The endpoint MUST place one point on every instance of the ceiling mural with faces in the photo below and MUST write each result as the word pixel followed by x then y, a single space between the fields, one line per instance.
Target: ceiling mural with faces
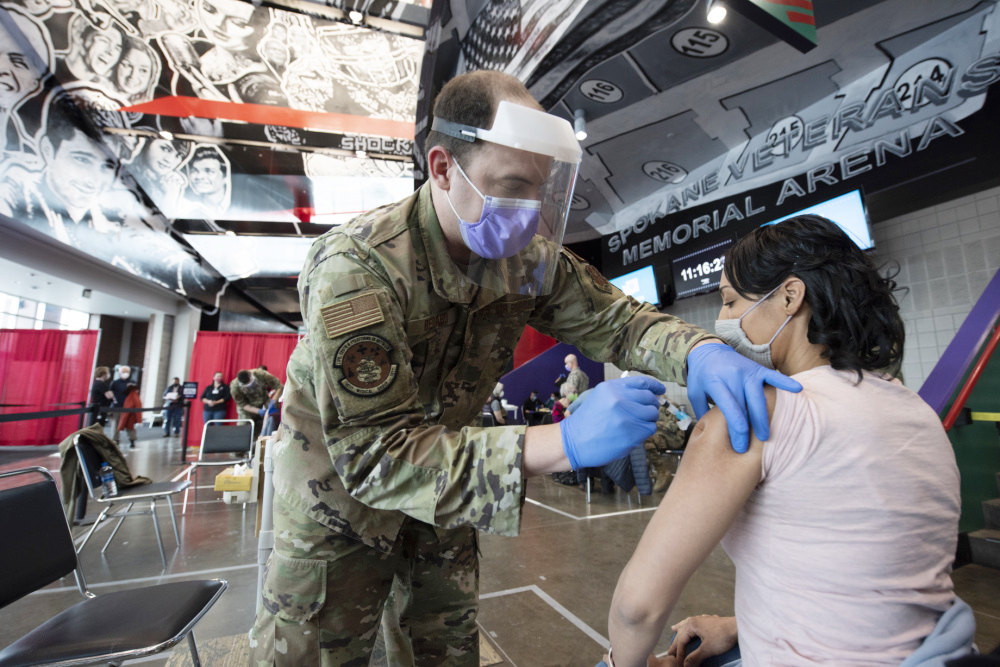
pixel 172 93
pixel 225 119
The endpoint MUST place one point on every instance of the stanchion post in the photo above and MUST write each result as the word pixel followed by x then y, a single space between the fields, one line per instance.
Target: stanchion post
pixel 83 404
pixel 184 438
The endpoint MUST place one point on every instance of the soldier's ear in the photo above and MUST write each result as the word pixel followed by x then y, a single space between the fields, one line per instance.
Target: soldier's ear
pixel 438 164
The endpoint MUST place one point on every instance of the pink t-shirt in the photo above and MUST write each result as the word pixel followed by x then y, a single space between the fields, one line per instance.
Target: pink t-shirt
pixel 843 553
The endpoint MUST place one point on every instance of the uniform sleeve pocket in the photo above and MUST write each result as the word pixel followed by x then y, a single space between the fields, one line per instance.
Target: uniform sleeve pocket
pixel 294 588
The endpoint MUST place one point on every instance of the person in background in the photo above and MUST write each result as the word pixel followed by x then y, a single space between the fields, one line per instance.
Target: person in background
pixel 272 418
pixel 128 420
pixel 174 405
pixel 559 409
pixel 120 385
pixel 496 406
pixel 214 399
pixel 252 390
pixel 100 396
pixel 550 404
pixel 576 380
pixel 843 525
pixel 530 409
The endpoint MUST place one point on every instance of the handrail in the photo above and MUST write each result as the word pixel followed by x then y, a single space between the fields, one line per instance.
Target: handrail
pixel 973 378
pixel 940 386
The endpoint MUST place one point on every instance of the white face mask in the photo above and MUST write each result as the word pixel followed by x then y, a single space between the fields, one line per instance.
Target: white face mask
pixel 732 333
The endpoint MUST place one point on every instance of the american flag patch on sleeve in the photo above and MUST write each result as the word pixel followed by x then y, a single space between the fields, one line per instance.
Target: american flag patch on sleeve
pixel 361 311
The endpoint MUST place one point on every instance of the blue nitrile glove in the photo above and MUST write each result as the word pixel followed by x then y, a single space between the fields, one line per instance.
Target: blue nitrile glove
pixel 262 412
pixel 616 416
pixel 735 384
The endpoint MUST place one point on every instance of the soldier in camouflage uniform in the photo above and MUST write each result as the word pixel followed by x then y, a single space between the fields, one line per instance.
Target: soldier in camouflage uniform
pixel 251 389
pixel 380 480
pixel 577 381
pixel 668 437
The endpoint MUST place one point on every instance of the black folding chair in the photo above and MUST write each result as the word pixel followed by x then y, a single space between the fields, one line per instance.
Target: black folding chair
pixel 90 466
pixel 222 436
pixel 37 550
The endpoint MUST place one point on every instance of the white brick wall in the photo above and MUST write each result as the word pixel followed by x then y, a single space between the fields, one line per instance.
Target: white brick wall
pixel 946 254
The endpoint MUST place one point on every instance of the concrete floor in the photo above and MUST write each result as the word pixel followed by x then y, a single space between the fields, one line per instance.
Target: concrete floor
pixel 544 595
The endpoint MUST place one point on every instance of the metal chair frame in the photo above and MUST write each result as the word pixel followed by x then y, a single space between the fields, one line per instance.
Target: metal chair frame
pixel 59 558
pixel 150 492
pixel 201 462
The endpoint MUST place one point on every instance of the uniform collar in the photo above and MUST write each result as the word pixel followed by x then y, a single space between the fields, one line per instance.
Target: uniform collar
pixel 448 279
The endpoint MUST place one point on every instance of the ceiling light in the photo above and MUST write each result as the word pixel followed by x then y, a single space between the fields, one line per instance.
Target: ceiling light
pixel 355 17
pixel 166 136
pixel 716 11
pixel 361 154
pixel 579 125
pixel 230 232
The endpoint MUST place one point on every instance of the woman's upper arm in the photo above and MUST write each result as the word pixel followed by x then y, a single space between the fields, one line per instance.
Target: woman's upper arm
pixel 711 486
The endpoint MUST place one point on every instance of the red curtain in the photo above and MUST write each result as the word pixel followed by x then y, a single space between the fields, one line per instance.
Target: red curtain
pixel 228 353
pixel 531 345
pixel 39 369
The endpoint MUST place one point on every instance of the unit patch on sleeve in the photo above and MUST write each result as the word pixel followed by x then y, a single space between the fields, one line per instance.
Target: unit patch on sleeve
pixel 600 282
pixel 361 311
pixel 366 364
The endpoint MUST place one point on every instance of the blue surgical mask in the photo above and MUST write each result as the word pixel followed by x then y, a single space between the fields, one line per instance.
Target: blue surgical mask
pixel 506 225
pixel 731 331
pixel 568 369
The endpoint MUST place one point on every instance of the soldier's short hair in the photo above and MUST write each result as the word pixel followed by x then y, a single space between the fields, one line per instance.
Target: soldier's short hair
pixel 243 377
pixel 472 99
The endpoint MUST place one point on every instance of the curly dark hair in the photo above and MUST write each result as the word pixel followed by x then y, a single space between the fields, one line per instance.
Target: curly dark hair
pixel 854 310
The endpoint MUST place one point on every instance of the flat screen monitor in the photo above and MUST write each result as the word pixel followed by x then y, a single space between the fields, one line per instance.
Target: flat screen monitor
pixel 699 271
pixel 639 284
pixel 848 211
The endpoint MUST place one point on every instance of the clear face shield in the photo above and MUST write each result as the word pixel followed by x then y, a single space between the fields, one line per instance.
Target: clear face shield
pixel 515 243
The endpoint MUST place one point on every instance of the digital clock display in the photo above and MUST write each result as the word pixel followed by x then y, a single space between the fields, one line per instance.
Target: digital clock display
pixel 700 271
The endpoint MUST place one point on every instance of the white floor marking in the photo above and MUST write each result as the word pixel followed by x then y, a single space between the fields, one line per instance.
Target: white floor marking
pixel 590 516
pixel 496 645
pixel 563 611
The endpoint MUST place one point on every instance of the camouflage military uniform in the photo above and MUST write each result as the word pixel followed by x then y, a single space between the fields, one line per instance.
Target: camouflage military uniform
pixel 576 379
pixel 256 396
pixel 668 438
pixel 378 473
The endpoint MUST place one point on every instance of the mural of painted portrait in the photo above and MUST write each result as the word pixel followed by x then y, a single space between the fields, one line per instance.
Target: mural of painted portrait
pixel 273 49
pixel 229 24
pixel 21 74
pixel 177 16
pixel 93 54
pixel 64 199
pixel 213 64
pixel 313 84
pixel 380 72
pixel 40 8
pixel 137 71
pixel 156 170
pixel 209 187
